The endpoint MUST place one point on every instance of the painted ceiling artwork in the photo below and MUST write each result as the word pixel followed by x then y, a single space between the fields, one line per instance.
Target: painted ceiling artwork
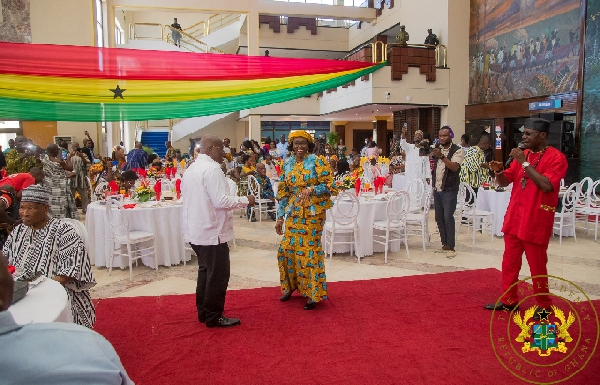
pixel 73 83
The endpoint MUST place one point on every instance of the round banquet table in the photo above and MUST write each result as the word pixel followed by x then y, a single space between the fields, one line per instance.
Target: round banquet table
pixel 399 182
pixel 497 203
pixel 369 212
pixel 45 302
pixel 164 222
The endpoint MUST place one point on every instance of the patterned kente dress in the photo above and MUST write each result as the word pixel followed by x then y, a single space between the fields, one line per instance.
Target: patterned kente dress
pixel 300 256
pixel 62 202
pixel 55 249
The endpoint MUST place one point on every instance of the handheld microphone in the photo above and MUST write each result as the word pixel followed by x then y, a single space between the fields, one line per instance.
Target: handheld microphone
pixel 510 158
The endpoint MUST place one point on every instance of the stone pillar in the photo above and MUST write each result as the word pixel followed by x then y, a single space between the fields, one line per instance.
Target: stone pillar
pixel 254 127
pixel 381 134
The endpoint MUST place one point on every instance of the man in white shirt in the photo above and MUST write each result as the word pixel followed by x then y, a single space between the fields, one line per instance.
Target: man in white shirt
pixel 282 147
pixel 416 166
pixel 208 227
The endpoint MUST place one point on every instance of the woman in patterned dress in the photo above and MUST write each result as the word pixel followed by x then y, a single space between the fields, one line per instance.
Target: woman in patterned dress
pixel 304 194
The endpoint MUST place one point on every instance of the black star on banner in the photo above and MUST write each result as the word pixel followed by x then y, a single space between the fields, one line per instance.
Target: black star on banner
pixel 544 314
pixel 118 92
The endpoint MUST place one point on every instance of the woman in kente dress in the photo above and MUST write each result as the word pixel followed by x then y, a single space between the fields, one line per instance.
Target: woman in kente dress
pixel 304 195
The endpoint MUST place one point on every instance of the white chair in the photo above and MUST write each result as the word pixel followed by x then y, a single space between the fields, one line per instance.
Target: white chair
pixel 417 224
pixel 243 183
pixel 588 205
pixel 262 203
pixel 415 190
pixel 79 228
pixel 467 208
pixel 395 224
pixel 122 236
pixel 342 221
pixel 566 216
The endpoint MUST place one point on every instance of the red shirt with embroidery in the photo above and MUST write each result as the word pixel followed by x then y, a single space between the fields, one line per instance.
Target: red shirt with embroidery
pixel 530 213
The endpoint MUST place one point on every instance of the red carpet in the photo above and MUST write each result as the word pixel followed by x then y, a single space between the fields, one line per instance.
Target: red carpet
pixel 428 329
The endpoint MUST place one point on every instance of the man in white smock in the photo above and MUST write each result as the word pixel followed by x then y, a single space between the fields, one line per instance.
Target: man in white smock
pixel 416 166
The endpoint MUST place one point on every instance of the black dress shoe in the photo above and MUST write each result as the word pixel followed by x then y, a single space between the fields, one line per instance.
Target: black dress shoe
pixel 500 306
pixel 201 319
pixel 286 296
pixel 224 322
pixel 310 305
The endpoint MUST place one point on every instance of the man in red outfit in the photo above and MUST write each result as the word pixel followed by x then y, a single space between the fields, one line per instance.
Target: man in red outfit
pixel 535 173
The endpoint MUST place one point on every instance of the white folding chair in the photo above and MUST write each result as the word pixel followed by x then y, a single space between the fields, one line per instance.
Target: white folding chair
pixel 415 190
pixel 566 216
pixel 467 208
pixel 342 221
pixel 79 228
pixel 417 224
pixel 395 224
pixel 131 239
pixel 262 203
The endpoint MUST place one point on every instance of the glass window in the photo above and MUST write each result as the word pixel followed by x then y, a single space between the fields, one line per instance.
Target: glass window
pixel 99 26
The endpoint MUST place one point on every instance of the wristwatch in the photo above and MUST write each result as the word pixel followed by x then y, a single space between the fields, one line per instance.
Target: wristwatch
pixel 525 165
pixel 442 157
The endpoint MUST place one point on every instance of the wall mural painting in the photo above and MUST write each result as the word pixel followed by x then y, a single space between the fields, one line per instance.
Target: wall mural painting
pixel 14 21
pixel 590 118
pixel 523 48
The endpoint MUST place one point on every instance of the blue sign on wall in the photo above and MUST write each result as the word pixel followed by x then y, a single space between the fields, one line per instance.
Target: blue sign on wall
pixel 545 105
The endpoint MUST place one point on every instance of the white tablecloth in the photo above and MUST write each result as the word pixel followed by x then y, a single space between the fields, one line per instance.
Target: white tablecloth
pixel 45 302
pixel 399 182
pixel 372 211
pixel 164 222
pixel 497 203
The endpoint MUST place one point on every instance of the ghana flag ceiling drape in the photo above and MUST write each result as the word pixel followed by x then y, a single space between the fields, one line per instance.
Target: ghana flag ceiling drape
pixel 72 83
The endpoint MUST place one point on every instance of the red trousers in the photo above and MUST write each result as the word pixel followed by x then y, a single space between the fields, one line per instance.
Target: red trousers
pixel 511 265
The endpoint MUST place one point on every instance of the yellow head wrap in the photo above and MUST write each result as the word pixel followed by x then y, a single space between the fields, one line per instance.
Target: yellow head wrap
pixel 300 134
pixel 333 157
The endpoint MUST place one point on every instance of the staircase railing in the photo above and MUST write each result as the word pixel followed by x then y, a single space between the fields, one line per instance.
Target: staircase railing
pixel 135 34
pixel 186 40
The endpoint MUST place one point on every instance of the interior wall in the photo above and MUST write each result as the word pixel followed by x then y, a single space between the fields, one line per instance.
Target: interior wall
pixel 417 16
pixel 41 133
pixel 458 62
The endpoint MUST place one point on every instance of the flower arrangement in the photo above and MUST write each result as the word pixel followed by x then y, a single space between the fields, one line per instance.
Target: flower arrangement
pixel 346 182
pixel 144 192
pixel 153 172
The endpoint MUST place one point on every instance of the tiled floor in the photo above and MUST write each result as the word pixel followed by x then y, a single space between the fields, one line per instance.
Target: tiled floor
pixel 254 264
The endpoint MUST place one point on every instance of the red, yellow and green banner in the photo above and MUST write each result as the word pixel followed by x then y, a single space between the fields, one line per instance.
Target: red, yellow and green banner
pixel 72 83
